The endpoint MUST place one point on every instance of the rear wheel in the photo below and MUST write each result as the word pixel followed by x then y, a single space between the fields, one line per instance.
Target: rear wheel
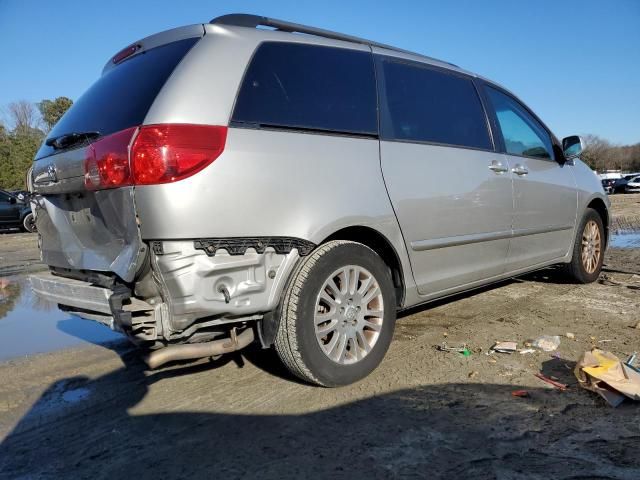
pixel 338 315
pixel 588 250
pixel 29 223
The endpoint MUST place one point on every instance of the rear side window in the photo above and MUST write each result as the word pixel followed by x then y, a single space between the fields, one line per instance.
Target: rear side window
pixel 121 97
pixel 427 105
pixel 310 87
pixel 522 134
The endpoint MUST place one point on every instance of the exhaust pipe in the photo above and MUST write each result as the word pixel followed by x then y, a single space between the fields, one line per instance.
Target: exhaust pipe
pixel 200 350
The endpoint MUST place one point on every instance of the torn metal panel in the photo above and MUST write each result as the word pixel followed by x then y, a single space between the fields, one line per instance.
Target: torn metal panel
pixel 197 285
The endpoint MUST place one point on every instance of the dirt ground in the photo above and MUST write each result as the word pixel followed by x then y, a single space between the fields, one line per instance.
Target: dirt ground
pixel 19 253
pixel 96 412
pixel 626 212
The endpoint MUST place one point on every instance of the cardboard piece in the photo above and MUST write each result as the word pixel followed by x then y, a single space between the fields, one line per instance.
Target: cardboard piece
pixel 603 373
pixel 505 347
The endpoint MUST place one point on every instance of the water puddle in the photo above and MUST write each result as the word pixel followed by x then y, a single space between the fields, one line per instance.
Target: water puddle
pixel 625 240
pixel 29 325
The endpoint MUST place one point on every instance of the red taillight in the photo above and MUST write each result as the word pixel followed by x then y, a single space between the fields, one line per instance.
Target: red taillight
pixel 170 152
pixel 159 154
pixel 107 162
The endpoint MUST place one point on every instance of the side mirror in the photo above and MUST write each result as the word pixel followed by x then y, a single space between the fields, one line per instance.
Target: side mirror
pixel 12 200
pixel 572 146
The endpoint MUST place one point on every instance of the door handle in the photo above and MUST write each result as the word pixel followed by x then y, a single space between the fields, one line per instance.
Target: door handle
pixel 520 170
pixel 497 167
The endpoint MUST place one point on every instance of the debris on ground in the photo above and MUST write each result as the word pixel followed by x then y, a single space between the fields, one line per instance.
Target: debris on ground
pixel 607 280
pixel 473 374
pixel 570 335
pixel 463 349
pixel 547 343
pixel 603 373
pixel 524 351
pixel 520 393
pixel 550 381
pixel 504 347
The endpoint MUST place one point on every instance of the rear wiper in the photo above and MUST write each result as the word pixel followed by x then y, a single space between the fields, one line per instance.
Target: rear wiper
pixel 69 139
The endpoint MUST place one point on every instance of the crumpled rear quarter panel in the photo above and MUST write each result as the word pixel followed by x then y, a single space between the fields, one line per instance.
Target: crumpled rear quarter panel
pixel 91 231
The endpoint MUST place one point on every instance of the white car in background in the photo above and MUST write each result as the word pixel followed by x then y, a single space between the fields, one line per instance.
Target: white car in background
pixel 633 185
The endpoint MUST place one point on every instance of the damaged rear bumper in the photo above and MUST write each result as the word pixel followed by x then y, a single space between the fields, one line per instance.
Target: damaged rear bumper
pixel 195 290
pixel 113 307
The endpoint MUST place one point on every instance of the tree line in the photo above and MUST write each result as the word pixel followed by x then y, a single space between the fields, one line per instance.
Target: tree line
pixel 601 155
pixel 21 136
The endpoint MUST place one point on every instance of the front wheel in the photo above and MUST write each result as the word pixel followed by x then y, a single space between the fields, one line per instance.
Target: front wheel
pixel 338 315
pixel 29 223
pixel 588 249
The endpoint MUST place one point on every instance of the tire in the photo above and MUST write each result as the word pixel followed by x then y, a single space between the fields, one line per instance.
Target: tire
pixel 576 269
pixel 309 357
pixel 28 223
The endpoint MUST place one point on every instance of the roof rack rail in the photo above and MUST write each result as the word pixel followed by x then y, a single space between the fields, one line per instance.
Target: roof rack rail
pixel 253 21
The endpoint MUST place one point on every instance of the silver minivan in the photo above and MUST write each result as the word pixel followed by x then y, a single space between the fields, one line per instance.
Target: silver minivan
pixel 254 180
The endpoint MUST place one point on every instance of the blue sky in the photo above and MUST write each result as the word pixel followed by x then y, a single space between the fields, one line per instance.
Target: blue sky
pixel 575 62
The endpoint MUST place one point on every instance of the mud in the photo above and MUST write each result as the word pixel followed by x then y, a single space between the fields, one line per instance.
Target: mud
pixel 96 412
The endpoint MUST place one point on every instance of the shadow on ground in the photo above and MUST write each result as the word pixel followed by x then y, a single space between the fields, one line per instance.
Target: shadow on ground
pixel 82 428
pixel 87 428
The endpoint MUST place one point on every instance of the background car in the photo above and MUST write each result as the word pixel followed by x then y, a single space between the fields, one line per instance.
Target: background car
pixel 23 195
pixel 620 185
pixel 15 213
pixel 614 185
pixel 607 185
pixel 633 185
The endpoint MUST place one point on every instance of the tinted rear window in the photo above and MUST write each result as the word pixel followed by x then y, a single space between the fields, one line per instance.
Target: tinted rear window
pixel 122 97
pixel 428 105
pixel 310 87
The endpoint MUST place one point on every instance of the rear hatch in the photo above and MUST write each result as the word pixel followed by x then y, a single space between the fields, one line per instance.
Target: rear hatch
pixel 97 229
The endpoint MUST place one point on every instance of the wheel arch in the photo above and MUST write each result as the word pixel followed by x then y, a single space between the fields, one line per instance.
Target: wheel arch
pixel 600 207
pixel 380 244
pixel 24 214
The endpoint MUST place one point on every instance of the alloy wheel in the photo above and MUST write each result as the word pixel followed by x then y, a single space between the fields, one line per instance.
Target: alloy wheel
pixel 349 314
pixel 591 246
